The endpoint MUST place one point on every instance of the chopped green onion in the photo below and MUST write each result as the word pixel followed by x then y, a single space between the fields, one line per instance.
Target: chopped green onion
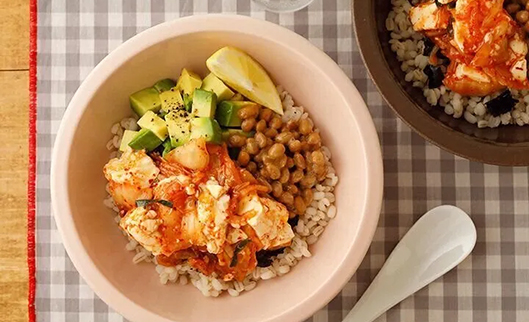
pixel 165 203
pixel 238 248
pixel 145 202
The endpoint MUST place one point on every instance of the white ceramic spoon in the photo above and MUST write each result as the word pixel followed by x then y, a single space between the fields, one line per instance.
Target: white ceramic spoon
pixel 438 242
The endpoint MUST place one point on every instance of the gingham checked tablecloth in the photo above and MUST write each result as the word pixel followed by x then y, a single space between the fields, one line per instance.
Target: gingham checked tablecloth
pixel 490 286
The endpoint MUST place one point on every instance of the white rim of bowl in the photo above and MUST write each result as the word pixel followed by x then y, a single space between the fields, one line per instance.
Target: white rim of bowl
pixel 202 23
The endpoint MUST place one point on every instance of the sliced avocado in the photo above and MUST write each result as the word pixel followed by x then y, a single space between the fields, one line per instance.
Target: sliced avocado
pixel 164 85
pixel 226 133
pixel 206 128
pixel 125 140
pixel 237 97
pixel 145 100
pixel 171 100
pixel 188 102
pixel 204 103
pixel 226 114
pixel 179 125
pixel 145 139
pixel 167 147
pixel 154 123
pixel 213 84
pixel 188 82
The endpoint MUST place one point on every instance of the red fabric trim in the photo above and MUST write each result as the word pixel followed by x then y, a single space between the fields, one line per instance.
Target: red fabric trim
pixel 32 156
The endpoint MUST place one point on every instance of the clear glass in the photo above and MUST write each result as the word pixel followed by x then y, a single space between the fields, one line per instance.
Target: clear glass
pixel 283 5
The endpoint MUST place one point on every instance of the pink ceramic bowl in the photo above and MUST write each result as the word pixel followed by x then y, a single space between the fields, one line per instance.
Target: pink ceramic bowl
pixel 90 235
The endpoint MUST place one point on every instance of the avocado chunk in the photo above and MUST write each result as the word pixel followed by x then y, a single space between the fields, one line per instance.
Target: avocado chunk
pixel 179 126
pixel 154 123
pixel 164 85
pixel 145 100
pixel 237 97
pixel 126 138
pixel 207 128
pixel 171 100
pixel 226 114
pixel 213 84
pixel 204 103
pixel 226 133
pixel 145 139
pixel 188 82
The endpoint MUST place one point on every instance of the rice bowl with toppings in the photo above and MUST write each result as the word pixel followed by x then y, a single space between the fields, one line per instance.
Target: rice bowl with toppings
pixel 216 188
pixel 481 78
pixel 95 243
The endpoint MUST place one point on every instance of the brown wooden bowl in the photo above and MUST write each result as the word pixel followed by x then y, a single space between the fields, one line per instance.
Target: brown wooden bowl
pixel 505 145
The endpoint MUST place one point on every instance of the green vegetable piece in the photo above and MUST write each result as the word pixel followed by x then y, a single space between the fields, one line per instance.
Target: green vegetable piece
pixel 171 100
pixel 179 126
pixel 204 103
pixel 145 202
pixel 188 103
pixel 125 140
pixel 145 100
pixel 167 147
pixel 145 139
pixel 165 203
pixel 238 248
pixel 226 114
pixel 226 133
pixel 164 85
pixel 188 82
pixel 213 84
pixel 206 128
pixel 154 123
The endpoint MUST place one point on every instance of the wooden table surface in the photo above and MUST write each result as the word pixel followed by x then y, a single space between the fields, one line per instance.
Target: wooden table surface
pixel 14 103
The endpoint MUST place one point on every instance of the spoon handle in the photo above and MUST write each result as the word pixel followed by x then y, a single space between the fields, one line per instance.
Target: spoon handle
pixel 434 245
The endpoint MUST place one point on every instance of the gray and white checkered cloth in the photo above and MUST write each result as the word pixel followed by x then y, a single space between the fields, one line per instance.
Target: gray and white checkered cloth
pixel 491 286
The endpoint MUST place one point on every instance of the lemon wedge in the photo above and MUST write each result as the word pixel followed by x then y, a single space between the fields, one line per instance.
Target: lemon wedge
pixel 241 72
